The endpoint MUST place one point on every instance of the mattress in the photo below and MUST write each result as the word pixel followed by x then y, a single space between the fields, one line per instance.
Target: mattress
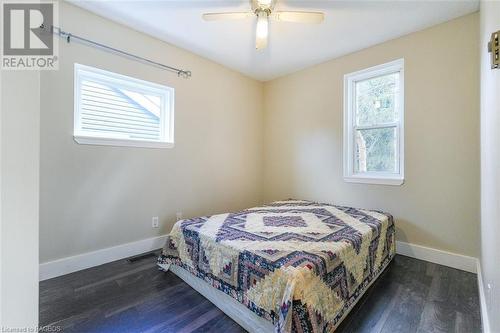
pixel 298 264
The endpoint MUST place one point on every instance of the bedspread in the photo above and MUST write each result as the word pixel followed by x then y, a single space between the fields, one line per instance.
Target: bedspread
pixel 300 264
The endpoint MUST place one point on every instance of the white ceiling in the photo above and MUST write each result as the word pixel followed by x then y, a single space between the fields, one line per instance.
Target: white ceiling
pixel 349 26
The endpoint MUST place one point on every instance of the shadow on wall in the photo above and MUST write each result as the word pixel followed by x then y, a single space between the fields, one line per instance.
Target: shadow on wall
pixel 404 227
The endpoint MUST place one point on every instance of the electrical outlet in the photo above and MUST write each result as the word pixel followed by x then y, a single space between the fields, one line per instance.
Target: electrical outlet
pixel 489 294
pixel 155 222
pixel 178 216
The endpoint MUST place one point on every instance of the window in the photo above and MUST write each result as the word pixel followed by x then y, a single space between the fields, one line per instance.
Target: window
pixel 117 110
pixel 373 125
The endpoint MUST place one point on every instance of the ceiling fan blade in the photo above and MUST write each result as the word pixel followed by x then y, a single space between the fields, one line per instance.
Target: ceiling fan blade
pixel 300 17
pixel 226 16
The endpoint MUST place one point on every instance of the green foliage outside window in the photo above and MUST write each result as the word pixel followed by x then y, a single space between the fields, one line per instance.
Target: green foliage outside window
pixel 376 105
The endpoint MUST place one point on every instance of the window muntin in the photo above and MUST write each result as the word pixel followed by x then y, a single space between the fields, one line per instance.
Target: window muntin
pixel 113 109
pixel 373 125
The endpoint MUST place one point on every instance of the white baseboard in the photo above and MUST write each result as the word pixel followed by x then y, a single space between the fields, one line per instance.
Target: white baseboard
pixel 86 260
pixel 482 299
pixel 445 258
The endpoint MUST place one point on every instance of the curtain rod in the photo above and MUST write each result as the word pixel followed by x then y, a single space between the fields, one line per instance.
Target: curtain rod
pixel 69 36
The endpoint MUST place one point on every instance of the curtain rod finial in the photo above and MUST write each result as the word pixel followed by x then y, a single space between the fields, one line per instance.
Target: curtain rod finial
pixel 184 74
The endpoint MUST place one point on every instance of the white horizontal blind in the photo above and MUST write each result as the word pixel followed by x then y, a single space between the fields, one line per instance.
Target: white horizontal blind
pixel 114 106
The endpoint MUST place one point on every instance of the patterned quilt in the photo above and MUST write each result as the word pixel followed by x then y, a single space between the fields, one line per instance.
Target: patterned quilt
pixel 299 264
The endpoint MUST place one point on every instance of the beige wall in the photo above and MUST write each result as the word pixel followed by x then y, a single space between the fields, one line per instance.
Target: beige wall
pixel 95 197
pixel 490 162
pixel 438 206
pixel 19 197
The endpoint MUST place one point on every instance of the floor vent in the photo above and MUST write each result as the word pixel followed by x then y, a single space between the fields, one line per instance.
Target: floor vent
pixel 143 256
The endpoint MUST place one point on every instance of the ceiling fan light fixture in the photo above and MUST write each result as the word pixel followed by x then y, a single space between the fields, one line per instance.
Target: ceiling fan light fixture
pixel 264 10
pixel 262 29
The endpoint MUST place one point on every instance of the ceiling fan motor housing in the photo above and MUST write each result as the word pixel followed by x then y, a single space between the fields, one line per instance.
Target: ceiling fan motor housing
pixel 263 5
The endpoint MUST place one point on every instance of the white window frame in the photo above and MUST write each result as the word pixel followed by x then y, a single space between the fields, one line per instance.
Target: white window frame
pixel 381 178
pixel 166 111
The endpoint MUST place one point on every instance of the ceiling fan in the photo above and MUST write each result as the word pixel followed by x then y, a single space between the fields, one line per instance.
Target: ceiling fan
pixel 263 10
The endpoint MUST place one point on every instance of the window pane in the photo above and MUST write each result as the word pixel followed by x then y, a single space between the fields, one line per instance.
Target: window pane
pixel 120 113
pixel 376 100
pixel 110 107
pixel 376 150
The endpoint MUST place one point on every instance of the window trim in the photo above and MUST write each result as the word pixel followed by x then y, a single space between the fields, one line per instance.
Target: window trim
pixel 166 120
pixel 350 79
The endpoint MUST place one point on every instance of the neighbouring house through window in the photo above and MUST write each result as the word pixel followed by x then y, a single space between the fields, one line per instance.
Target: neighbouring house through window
pixel 117 110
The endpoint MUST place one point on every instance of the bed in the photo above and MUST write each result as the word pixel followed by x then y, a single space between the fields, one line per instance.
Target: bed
pixel 289 266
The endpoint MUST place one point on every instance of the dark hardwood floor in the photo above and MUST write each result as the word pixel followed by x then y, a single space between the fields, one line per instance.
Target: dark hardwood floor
pixel 411 296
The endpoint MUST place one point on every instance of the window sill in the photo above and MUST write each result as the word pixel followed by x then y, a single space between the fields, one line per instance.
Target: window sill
pixel 91 140
pixel 374 180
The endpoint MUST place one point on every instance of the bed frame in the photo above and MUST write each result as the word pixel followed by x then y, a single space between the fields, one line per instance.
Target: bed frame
pixel 234 309
pixel 231 307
